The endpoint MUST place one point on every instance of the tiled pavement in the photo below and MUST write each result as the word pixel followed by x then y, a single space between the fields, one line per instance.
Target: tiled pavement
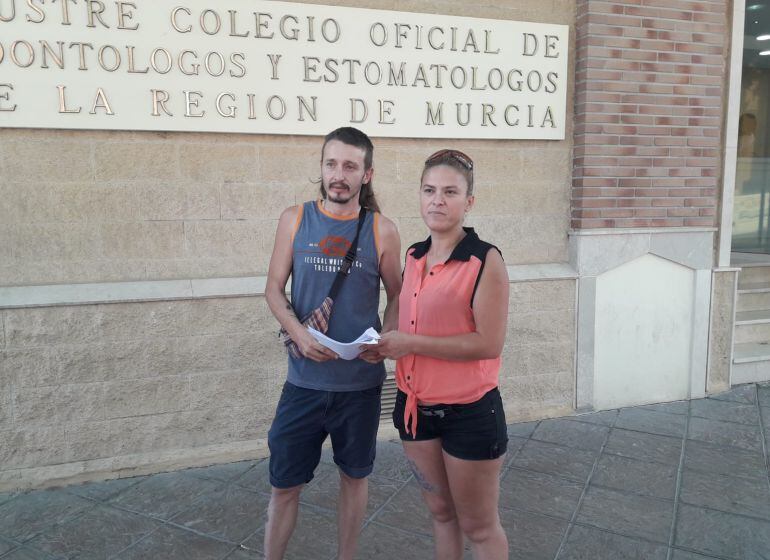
pixel 679 481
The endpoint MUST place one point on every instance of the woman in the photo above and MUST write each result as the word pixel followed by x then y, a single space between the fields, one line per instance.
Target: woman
pixel 452 322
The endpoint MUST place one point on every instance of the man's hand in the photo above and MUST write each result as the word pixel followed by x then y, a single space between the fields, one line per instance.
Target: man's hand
pixel 311 348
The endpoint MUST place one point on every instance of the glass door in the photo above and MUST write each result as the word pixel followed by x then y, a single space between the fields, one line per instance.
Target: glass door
pixel 751 218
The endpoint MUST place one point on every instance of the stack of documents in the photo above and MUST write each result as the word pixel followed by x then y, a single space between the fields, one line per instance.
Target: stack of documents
pixel 347 350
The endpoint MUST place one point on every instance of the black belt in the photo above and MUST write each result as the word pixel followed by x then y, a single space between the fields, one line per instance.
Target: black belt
pixel 435 410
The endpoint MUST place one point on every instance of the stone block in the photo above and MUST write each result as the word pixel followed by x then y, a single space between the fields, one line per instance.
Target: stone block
pixel 27 160
pixel 537 394
pixel 48 326
pixel 25 203
pixel 248 201
pixel 217 163
pixel 208 267
pixel 79 271
pixel 49 242
pixel 86 202
pixel 32 446
pixel 720 331
pixel 59 404
pixel 179 201
pixel 146 240
pixel 233 388
pixel 229 238
pixel 26 367
pixel 131 161
pixel 139 397
pixel 291 165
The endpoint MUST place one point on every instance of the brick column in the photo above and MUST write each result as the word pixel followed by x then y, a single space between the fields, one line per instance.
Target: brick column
pixel 650 78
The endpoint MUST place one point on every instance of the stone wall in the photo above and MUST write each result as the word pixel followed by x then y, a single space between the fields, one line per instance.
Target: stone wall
pixel 111 389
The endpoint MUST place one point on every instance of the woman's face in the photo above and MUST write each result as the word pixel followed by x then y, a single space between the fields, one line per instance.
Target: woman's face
pixel 444 199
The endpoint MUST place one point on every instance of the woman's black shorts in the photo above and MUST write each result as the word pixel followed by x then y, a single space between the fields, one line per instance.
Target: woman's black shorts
pixel 475 431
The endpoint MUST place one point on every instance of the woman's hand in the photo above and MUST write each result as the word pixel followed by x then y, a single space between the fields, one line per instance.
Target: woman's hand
pixel 394 345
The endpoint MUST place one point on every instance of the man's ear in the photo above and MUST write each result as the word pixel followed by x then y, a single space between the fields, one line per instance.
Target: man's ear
pixel 368 176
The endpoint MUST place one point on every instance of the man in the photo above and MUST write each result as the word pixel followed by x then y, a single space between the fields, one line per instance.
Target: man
pixel 324 395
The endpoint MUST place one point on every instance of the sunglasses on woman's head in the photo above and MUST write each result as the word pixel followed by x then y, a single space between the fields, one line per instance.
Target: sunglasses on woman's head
pixel 456 155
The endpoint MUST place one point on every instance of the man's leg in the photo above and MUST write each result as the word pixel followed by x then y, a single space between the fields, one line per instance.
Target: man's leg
pixel 295 440
pixel 354 493
pixel 281 520
pixel 352 424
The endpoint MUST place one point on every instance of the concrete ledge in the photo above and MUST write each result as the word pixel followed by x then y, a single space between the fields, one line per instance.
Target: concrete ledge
pixel 15 297
pixel 130 465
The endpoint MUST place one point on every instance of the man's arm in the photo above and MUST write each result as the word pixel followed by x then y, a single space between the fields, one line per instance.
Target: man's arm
pixel 275 290
pixel 390 271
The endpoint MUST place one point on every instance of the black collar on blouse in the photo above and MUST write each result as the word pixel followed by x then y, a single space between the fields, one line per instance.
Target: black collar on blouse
pixel 462 252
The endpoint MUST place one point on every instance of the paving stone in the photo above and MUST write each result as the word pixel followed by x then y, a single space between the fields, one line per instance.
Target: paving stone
pixel 225 472
pixel 380 542
pixel 326 493
pixel 746 394
pixel 725 433
pixel 587 543
pixel 164 495
pixel 722 534
pixel 603 418
pixel 172 543
pixel 7 545
pixel 230 514
pixel 532 536
pixel 652 422
pixel 764 395
pixel 637 477
pixel 726 411
pixel 99 533
pixel 522 429
pixel 240 554
pixel 25 553
pixel 391 462
pixel 258 477
pixel 31 513
pixel 571 434
pixel 314 538
pixel 540 493
pixel 730 494
pixel 708 457
pixel 571 463
pixel 676 407
pixel 645 447
pixel 102 491
pixel 407 511
pixel 627 514
pixel 677 554
pixel 7 496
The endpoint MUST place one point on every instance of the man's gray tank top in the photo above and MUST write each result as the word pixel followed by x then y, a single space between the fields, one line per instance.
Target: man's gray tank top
pixel 320 244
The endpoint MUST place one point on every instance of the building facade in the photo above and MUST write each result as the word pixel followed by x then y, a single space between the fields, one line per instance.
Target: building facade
pixel 135 335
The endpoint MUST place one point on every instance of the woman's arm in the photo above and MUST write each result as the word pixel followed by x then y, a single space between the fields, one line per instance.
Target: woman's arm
pixel 490 313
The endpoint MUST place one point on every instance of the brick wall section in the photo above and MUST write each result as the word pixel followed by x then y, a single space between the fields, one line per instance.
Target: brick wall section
pixel 650 78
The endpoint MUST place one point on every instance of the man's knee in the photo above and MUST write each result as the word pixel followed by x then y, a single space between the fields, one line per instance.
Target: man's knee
pixel 352 482
pixel 442 509
pixel 284 496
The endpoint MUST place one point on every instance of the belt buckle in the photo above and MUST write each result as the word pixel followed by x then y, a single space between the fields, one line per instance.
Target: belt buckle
pixel 440 412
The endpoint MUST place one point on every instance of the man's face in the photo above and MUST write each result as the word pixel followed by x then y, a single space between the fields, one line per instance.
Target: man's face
pixel 343 171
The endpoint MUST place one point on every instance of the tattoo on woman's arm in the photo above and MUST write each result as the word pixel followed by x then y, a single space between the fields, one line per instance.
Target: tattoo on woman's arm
pixel 422 481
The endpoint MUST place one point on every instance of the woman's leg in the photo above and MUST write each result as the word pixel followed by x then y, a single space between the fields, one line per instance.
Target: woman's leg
pixel 475 491
pixel 426 460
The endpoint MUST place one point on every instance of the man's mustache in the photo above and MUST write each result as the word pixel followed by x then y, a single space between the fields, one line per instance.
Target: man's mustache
pixel 339 185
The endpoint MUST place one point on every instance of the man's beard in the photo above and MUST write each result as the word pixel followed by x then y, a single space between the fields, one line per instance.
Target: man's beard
pixel 340 197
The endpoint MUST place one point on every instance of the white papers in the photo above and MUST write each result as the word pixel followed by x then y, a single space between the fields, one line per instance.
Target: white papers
pixel 347 350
